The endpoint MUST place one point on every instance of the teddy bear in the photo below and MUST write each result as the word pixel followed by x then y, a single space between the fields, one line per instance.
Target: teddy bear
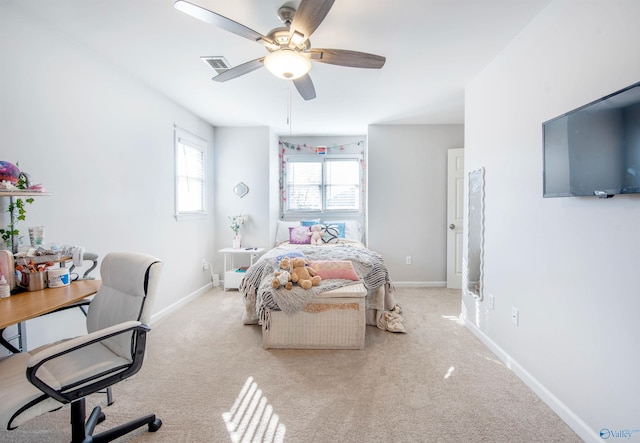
pixel 305 276
pixel 316 233
pixel 281 276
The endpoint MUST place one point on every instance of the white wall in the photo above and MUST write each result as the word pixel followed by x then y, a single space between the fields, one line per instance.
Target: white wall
pixel 407 216
pixel 242 154
pixel 274 185
pixel 570 265
pixel 102 144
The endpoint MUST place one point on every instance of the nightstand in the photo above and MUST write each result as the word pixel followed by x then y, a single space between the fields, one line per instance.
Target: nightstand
pixel 233 275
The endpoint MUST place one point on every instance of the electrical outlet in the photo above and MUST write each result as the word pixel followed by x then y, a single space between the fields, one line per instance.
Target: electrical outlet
pixel 515 316
pixel 492 302
pixel 408 260
pixel 205 265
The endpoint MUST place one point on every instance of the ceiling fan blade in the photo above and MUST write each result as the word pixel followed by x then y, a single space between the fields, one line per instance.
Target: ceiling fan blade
pixel 221 22
pixel 239 70
pixel 343 57
pixel 309 15
pixel 305 87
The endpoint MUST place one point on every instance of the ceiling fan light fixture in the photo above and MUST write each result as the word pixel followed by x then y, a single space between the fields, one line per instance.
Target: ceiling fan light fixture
pixel 287 64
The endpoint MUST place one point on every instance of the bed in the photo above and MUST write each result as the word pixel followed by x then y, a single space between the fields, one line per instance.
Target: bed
pixel 347 267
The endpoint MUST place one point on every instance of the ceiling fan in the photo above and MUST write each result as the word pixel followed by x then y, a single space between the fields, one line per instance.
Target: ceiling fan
pixel 290 52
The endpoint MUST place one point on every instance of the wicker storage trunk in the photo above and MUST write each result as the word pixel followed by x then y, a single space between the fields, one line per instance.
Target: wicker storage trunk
pixel 332 320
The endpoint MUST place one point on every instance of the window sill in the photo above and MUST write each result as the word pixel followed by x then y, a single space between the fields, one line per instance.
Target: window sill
pixel 191 216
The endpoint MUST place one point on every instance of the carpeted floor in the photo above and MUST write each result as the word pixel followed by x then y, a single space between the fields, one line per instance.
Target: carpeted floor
pixel 209 380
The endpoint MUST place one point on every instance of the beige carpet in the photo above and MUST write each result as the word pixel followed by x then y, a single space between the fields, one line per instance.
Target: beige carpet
pixel 209 380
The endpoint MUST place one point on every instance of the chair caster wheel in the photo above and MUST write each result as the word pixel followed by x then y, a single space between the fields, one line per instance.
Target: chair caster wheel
pixel 155 425
pixel 101 417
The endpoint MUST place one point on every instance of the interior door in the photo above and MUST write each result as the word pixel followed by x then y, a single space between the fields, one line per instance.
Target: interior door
pixel 455 217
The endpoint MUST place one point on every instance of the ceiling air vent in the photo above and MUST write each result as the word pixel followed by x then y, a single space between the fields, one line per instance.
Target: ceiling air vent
pixel 219 64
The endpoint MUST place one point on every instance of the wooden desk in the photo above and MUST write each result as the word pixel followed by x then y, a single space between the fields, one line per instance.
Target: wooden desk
pixel 26 305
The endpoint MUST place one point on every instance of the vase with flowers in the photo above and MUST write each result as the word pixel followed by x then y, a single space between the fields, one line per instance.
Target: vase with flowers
pixel 235 223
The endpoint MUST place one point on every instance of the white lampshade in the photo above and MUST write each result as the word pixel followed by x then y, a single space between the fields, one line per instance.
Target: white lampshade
pixel 287 64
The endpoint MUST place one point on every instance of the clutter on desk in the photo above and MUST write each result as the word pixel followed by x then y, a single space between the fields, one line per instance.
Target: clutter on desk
pixel 42 267
pixel 58 277
pixel 31 276
pixel 32 281
pixel 28 265
pixel 41 254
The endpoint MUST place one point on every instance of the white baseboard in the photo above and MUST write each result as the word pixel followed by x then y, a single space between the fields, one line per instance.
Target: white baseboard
pixel 178 304
pixel 566 414
pixel 420 284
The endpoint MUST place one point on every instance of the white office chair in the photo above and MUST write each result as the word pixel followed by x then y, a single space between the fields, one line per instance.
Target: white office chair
pixel 42 380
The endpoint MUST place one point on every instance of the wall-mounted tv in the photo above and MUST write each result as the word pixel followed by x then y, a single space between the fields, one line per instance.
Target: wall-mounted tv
pixel 594 149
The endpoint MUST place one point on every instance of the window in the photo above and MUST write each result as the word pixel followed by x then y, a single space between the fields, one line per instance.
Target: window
pixel 322 184
pixel 190 176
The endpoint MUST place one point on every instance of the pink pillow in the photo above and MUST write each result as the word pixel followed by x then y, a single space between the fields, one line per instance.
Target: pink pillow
pixel 328 269
pixel 299 235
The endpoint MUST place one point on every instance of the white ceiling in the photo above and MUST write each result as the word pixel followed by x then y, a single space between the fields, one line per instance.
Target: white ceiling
pixel 433 48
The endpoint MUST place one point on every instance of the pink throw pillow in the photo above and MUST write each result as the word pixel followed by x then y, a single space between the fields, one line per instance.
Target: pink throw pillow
pixel 329 269
pixel 299 235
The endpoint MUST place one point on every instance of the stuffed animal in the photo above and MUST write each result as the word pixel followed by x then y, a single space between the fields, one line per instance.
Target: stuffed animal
pixel 305 276
pixel 316 233
pixel 281 276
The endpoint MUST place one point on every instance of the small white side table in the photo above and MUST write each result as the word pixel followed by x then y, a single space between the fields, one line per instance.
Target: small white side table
pixel 232 277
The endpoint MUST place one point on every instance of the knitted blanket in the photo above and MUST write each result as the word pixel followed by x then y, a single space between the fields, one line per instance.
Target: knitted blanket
pixel 262 297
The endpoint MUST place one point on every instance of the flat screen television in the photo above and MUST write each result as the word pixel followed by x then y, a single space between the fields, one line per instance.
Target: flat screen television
pixel 594 149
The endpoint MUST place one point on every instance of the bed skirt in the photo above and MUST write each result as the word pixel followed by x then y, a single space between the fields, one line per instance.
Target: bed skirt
pixel 332 320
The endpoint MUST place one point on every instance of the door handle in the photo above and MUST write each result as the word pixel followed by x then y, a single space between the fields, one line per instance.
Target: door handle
pixel 452 226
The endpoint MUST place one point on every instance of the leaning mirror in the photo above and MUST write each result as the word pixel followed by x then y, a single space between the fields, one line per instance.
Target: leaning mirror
pixel 476 233
pixel 241 189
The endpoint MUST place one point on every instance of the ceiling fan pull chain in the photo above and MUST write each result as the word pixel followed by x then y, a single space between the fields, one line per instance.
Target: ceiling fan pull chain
pixel 289 107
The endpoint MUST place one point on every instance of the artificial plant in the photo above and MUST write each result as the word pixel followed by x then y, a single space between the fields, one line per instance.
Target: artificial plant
pixel 17 212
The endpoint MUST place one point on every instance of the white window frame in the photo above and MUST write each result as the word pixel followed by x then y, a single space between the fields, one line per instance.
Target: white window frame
pixel 321 159
pixel 184 139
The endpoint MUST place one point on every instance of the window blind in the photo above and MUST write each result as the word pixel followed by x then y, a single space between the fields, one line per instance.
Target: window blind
pixel 190 174
pixel 322 184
